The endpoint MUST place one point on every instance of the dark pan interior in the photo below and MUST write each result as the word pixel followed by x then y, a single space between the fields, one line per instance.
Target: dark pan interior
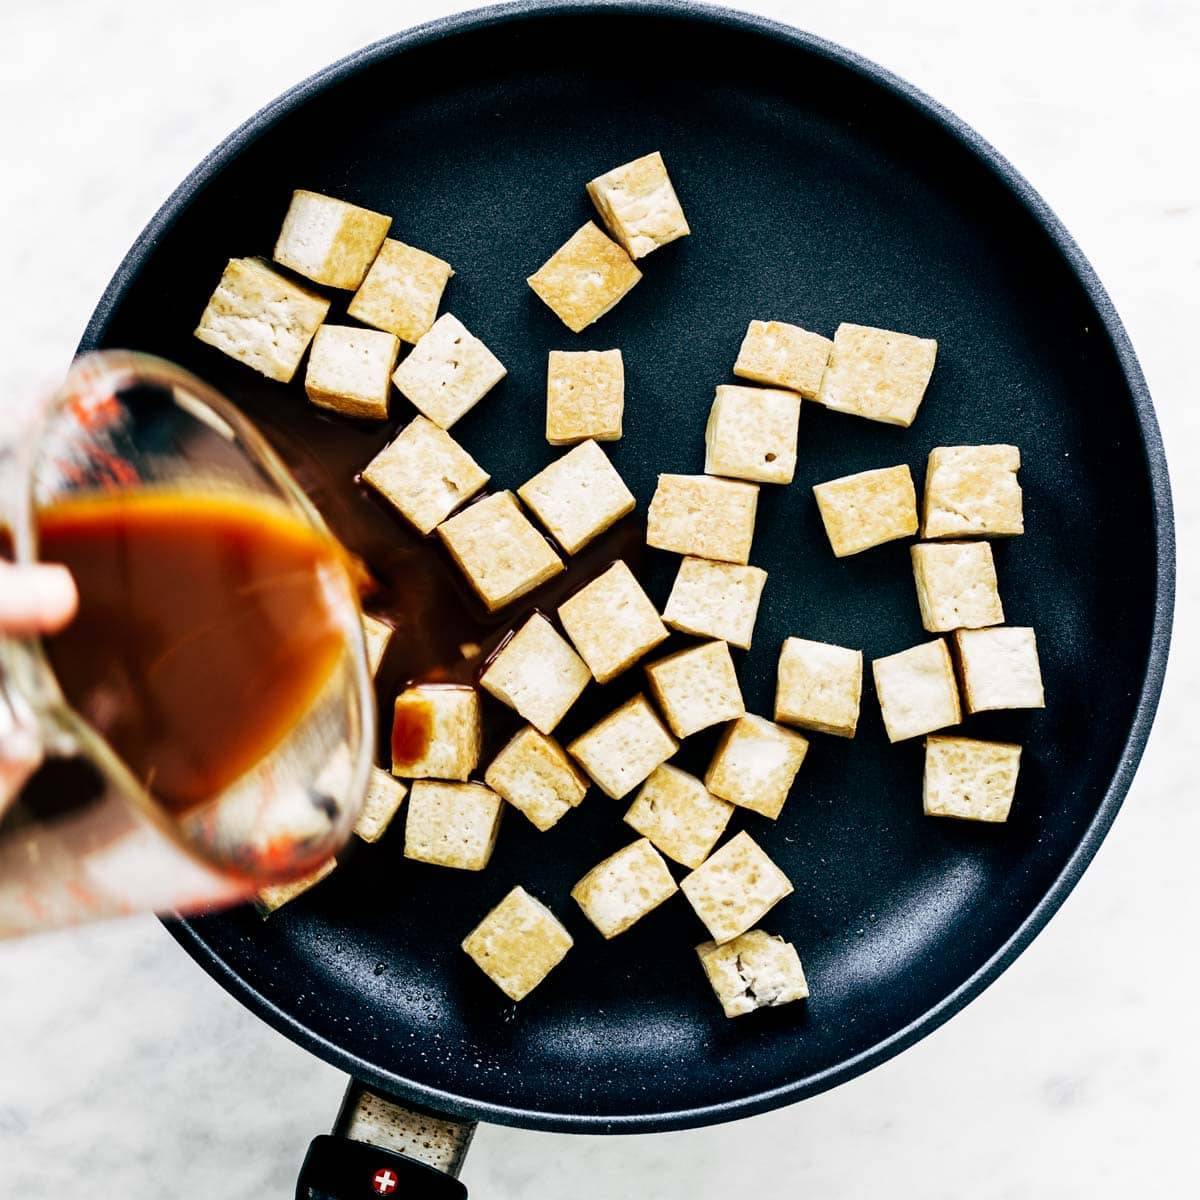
pixel 817 192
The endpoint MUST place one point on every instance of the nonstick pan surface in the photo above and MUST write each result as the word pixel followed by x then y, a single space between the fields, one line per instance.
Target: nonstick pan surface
pixel 819 189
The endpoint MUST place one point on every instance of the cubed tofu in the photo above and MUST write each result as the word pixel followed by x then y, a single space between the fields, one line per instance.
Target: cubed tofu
pixel 755 970
pixel 970 779
pixel 972 491
pixel 679 815
pixel 261 319
pixel 537 673
pixel 623 888
pixel 715 599
pixel 585 278
pixel 819 686
pixel 733 889
pixel 1000 668
pixel 703 517
pixel 638 204
pixel 328 240
pixel 384 796
pixel 402 291
pixel 752 434
pixel 447 372
pixel 436 732
pixel 534 774
pixel 917 690
pixel 867 509
pixel 612 622
pixel 877 374
pixel 518 944
pixel 621 750
pixel 696 688
pixel 424 474
pixel 755 765
pixel 783 355
pixel 276 895
pixel 585 396
pixel 956 585
pixel 578 496
pixel 498 549
pixel 377 634
pixel 452 824
pixel 350 371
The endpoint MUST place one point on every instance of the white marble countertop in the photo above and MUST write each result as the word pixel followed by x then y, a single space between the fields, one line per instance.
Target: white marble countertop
pixel 125 1072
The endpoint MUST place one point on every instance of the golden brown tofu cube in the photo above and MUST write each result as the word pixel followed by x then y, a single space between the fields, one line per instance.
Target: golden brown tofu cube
pixel 783 355
pixel 276 895
pixel 534 774
pixel 870 508
pixel 499 551
pixel 637 202
pixel 261 319
pixel 585 278
pixel 703 517
pixel 917 690
pixel 752 434
pixel 877 374
pixel 452 824
pixel 819 686
pixel 402 291
pixel 436 732
pixel 1000 668
pixel 621 749
pixel 612 622
pixel 679 815
pixel 585 396
pixel 384 796
pixel 518 944
pixel 350 371
pixel 328 240
pixel 970 779
pixel 696 688
pixel 733 889
pixel 755 765
pixel 755 970
pixel 972 491
pixel 716 599
pixel 623 888
pixel 956 585
pixel 377 634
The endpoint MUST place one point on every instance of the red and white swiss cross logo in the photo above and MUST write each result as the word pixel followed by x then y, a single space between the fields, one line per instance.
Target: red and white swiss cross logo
pixel 384 1182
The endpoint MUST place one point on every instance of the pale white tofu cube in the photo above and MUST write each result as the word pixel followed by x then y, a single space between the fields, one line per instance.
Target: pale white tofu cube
pixel 696 688
pixel 578 496
pixel 679 815
pixel 384 796
pixel 518 944
pixel 972 491
pixel 956 585
pixel 537 674
pixel 1000 668
pixel 703 517
pixel 452 824
pixel 274 896
pixel 612 622
pixel 377 635
pixel 755 765
pixel 402 291
pixel 447 372
pixel 350 371
pixel 261 319
pixel 870 508
pixel 716 599
pixel 970 779
pixel 621 749
pixel 498 549
pixel 328 240
pixel 755 970
pixel 584 278
pixel 917 690
pixel 819 686
pixel 424 474
pixel 877 373
pixel 637 202
pixel 436 732
pixel 783 355
pixel 585 396
pixel 733 889
pixel 534 774
pixel 752 434
pixel 623 888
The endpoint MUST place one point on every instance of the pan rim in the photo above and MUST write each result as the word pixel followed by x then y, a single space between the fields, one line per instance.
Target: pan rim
pixel 1007 176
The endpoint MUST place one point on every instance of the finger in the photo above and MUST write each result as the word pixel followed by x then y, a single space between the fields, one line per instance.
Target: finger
pixel 36 599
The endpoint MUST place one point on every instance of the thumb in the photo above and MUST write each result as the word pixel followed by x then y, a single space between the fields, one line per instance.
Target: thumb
pixel 35 599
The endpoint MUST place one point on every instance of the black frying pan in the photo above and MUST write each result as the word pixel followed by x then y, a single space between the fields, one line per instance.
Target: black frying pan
pixel 819 189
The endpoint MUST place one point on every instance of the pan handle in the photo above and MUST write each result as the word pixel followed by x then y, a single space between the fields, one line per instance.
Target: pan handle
pixel 381 1148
